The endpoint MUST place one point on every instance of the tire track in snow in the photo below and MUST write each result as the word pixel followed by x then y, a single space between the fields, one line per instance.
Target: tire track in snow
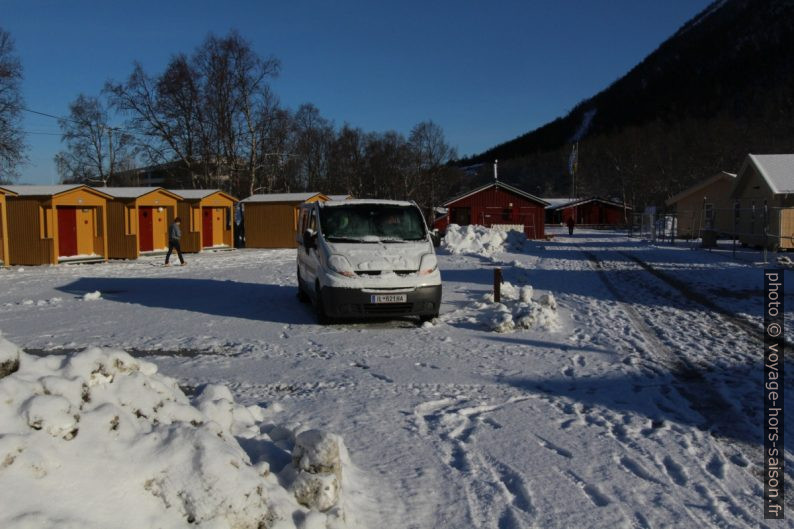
pixel 693 386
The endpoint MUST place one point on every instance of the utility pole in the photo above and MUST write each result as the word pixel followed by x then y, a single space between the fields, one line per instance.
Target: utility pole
pixel 495 172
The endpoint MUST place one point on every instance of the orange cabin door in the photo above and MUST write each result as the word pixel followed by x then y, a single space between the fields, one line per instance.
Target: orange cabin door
pixel 217 226
pixel 67 231
pixel 206 228
pixel 145 229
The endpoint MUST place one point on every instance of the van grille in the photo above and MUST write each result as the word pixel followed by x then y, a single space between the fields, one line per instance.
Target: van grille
pixel 390 308
pixel 379 272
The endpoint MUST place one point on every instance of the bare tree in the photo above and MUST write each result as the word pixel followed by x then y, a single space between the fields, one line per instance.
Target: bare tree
pixel 12 146
pixel 431 155
pixel 213 111
pixel 95 150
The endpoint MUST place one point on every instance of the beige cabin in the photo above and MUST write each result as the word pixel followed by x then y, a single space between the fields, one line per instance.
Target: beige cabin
pixel 706 205
pixel 207 217
pixel 138 220
pixel 55 224
pixel 763 199
pixel 271 221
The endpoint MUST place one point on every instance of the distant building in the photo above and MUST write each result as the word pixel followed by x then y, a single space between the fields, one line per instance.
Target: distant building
pixel 705 205
pixel 763 199
pixel 497 205
pixel 587 211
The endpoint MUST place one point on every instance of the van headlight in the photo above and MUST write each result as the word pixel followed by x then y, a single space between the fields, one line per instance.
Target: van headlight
pixel 340 265
pixel 428 264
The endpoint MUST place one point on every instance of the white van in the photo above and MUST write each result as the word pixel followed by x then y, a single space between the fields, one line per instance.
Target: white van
pixel 367 258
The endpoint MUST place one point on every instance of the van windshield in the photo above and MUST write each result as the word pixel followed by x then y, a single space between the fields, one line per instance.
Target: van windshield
pixel 372 223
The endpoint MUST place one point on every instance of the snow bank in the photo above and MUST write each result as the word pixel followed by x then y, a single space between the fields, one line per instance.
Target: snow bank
pixel 101 439
pixel 517 310
pixel 92 296
pixel 480 240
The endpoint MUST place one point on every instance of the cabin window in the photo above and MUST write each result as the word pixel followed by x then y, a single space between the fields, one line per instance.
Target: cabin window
pixel 461 216
pixel 506 213
pixel 45 222
pixel 708 213
pixel 130 220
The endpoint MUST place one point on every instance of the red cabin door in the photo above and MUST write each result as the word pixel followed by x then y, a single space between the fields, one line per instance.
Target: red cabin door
pixel 145 229
pixel 206 228
pixel 67 232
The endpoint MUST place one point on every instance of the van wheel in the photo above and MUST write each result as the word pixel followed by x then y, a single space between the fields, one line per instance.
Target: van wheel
pixel 426 318
pixel 322 317
pixel 303 297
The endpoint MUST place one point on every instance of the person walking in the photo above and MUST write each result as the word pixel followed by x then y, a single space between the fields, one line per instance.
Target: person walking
pixel 174 234
pixel 571 223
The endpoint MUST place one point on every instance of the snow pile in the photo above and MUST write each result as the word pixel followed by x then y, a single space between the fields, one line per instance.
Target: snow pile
pixel 517 310
pixel 92 296
pixel 480 240
pixel 100 439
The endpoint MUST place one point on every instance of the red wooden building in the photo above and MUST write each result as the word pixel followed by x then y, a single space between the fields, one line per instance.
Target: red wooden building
pixel 497 205
pixel 587 211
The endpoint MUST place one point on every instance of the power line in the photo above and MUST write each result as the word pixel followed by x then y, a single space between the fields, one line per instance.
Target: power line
pixel 59 118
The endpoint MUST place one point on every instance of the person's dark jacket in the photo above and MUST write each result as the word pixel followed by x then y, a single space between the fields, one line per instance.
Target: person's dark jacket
pixel 174 233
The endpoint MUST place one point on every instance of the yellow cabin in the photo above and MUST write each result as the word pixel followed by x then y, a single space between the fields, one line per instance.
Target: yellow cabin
pixel 54 224
pixel 4 226
pixel 138 220
pixel 705 206
pixel 271 221
pixel 207 218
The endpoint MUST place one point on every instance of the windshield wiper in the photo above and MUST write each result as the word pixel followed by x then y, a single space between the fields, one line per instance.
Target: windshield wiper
pixel 346 239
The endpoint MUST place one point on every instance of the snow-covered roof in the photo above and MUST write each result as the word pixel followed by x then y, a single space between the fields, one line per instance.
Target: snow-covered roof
pixel 722 175
pixel 777 170
pixel 339 197
pixel 197 194
pixel 356 201
pixel 5 191
pixel 557 203
pixel 41 191
pixel 501 185
pixel 281 197
pixel 131 192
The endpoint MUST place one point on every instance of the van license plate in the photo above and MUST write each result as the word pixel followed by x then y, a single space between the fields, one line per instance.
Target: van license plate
pixel 389 298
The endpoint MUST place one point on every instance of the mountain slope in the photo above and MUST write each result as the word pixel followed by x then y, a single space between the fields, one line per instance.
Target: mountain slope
pixel 730 64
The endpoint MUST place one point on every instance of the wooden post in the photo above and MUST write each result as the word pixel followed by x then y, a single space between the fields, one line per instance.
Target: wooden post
pixel 497 285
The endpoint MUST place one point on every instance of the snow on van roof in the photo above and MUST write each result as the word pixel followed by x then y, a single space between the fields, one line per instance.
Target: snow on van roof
pixel 361 201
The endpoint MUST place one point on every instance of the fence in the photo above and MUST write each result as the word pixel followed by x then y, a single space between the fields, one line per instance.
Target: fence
pixel 770 228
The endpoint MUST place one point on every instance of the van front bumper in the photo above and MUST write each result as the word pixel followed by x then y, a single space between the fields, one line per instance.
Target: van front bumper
pixel 341 302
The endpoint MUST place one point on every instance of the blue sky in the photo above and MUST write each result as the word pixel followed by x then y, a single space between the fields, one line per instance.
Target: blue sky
pixel 485 71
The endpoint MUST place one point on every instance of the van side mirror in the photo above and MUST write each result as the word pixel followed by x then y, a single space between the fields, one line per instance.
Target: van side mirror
pixel 435 238
pixel 309 239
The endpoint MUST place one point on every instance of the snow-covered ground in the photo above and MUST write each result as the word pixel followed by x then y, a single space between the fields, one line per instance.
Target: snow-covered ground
pixel 623 402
